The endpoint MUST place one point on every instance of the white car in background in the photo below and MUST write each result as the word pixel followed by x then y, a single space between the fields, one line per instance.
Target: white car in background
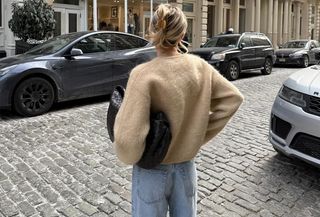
pixel 295 117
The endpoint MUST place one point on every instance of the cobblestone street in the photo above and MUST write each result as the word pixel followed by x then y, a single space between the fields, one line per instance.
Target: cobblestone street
pixel 63 164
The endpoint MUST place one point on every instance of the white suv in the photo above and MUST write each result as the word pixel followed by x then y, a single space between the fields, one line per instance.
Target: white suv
pixel 295 117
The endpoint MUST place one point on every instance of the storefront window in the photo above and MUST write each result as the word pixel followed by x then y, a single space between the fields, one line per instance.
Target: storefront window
pixel 135 10
pixel 111 15
pixel 108 13
pixel 68 2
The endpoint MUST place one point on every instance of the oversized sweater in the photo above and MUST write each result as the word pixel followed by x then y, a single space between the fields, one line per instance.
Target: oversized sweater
pixel 197 100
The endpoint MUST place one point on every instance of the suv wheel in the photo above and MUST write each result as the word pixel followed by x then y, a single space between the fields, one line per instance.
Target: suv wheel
pixel 267 67
pixel 305 61
pixel 233 71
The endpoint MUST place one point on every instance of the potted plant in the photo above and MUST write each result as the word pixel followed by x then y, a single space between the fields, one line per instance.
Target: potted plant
pixel 32 22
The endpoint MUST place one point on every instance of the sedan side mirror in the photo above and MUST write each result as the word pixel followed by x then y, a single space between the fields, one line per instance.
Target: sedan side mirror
pixel 242 45
pixel 201 45
pixel 280 46
pixel 76 52
pixel 311 47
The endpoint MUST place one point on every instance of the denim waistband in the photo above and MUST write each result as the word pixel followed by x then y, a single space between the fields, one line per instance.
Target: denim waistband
pixel 166 167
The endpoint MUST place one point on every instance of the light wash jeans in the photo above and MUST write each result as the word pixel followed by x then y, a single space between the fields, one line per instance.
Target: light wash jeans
pixel 172 186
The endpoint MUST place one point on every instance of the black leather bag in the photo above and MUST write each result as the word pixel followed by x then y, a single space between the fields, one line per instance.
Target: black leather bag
pixel 158 138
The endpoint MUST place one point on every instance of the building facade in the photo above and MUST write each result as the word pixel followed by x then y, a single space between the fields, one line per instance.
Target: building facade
pixel 280 20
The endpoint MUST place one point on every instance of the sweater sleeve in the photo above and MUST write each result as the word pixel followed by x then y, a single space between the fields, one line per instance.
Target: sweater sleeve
pixel 132 122
pixel 225 101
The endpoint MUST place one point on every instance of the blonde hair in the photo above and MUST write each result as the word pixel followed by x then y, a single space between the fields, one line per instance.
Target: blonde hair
pixel 168 26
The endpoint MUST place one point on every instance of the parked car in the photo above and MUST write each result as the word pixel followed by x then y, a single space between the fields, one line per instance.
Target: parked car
pixel 298 52
pixel 231 53
pixel 295 116
pixel 67 67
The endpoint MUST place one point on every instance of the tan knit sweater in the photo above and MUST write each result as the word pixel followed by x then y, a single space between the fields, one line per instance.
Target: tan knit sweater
pixel 197 100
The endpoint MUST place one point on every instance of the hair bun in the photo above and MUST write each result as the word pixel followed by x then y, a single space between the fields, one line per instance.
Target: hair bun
pixel 167 27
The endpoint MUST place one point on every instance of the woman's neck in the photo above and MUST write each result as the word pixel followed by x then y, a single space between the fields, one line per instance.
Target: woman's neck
pixel 167 52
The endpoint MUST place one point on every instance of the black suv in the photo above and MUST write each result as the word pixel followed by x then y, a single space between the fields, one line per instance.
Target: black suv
pixel 230 53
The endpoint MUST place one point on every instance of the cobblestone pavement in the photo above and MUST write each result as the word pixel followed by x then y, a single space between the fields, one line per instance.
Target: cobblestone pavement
pixel 63 164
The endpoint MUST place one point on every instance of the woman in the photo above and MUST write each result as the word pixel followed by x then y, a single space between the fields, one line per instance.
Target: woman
pixel 198 102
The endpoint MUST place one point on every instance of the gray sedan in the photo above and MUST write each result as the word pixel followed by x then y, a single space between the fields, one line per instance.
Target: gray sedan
pixel 298 52
pixel 67 67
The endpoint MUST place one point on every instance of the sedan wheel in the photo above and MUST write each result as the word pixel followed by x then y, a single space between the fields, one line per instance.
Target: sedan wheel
pixel 233 71
pixel 305 62
pixel 33 97
pixel 267 67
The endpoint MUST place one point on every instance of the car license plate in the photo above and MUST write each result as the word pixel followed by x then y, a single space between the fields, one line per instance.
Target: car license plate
pixel 282 59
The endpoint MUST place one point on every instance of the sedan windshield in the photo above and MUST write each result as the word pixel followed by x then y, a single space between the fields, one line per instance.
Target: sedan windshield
pixel 295 44
pixel 54 44
pixel 229 41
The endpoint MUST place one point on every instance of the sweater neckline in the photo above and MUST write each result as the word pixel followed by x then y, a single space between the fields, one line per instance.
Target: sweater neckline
pixel 171 57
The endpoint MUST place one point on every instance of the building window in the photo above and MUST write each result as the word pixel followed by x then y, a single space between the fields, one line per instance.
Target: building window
pixel 1 12
pixel 227 1
pixel 187 7
pixel 313 8
pixel 312 20
pixel 242 20
pixel 210 0
pixel 211 21
pixel 242 2
pixel 67 2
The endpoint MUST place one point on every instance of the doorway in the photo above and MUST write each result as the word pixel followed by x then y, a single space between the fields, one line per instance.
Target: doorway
pixel 67 21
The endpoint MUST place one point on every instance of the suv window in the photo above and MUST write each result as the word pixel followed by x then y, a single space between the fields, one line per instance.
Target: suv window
pixel 246 39
pixel 228 41
pixel 259 40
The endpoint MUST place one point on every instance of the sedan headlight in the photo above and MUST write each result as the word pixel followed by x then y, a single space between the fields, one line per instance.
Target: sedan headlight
pixel 292 96
pixel 5 70
pixel 218 57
